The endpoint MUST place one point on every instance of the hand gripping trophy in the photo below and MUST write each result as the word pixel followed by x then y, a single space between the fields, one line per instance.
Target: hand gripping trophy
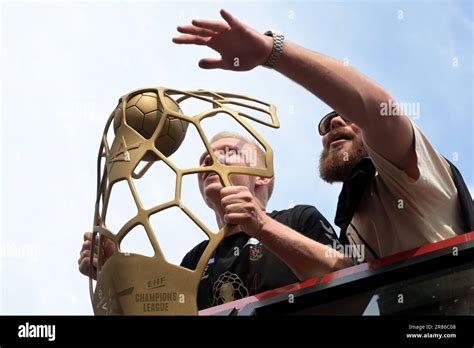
pixel 152 131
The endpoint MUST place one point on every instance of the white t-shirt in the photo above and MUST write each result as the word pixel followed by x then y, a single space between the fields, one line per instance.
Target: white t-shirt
pixel 397 213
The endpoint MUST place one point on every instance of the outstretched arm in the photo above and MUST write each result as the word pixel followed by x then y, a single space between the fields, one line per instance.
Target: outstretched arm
pixel 342 87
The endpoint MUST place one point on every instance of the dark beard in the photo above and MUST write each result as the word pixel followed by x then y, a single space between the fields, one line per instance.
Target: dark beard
pixel 334 166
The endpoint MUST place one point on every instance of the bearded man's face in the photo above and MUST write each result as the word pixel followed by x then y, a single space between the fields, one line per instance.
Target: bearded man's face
pixel 342 149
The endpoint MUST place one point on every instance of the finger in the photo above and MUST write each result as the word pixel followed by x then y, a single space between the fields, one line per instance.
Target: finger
pixel 87 245
pixel 84 266
pixel 236 218
pixel 230 190
pixel 95 262
pixel 212 63
pixel 86 253
pixel 211 25
pixel 231 20
pixel 109 248
pixel 191 40
pixel 235 208
pixel 88 238
pixel 231 199
pixel 191 29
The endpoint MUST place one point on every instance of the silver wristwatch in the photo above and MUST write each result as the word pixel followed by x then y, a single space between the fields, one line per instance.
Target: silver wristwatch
pixel 277 50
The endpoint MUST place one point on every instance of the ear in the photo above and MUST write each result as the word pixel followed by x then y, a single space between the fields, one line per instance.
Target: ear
pixel 260 190
pixel 261 181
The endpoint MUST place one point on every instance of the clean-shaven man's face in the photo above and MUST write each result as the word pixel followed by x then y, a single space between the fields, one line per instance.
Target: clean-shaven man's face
pixel 229 151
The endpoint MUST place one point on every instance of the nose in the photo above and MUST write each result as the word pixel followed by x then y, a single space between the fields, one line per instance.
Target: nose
pixel 337 122
pixel 221 156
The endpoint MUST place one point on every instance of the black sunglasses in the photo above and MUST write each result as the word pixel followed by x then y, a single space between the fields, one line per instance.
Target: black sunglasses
pixel 325 123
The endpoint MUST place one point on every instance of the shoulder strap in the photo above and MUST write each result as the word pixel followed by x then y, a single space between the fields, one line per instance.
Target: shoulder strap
pixel 465 199
pixel 352 189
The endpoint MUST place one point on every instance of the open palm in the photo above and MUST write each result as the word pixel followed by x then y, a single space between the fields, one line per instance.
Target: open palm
pixel 241 48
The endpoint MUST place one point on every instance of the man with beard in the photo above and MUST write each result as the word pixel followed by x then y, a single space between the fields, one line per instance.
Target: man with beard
pixel 398 191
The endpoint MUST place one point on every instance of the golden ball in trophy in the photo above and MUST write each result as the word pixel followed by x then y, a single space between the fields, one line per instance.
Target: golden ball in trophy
pixel 143 114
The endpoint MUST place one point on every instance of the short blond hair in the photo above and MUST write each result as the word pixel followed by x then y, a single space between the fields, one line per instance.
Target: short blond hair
pixel 261 156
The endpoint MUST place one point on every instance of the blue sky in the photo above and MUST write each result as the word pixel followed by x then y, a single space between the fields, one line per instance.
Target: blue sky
pixel 64 65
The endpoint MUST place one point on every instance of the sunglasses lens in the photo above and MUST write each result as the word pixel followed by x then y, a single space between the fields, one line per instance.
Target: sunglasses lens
pixel 325 124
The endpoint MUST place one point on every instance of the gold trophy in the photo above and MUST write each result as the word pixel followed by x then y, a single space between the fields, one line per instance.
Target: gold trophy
pixel 133 284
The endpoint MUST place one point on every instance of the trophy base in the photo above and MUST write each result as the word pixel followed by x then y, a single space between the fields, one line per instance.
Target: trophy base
pixel 130 284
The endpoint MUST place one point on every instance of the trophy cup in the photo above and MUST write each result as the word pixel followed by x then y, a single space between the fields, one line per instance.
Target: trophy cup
pixel 133 284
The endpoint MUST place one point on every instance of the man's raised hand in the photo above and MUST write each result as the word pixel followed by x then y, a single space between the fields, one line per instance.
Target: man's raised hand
pixel 241 48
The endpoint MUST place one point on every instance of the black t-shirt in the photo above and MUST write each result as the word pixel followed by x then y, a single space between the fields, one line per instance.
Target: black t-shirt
pixel 242 266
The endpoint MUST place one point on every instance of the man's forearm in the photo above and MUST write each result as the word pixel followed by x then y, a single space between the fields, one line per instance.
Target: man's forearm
pixel 342 87
pixel 304 256
pixel 356 98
